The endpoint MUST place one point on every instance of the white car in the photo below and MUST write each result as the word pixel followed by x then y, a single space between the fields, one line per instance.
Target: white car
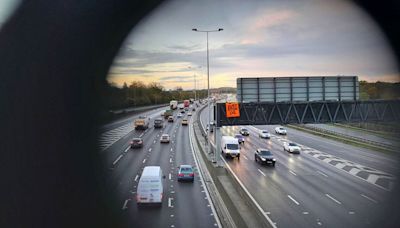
pixel 189 114
pixel 164 138
pixel 179 115
pixel 291 147
pixel 264 134
pixel 280 131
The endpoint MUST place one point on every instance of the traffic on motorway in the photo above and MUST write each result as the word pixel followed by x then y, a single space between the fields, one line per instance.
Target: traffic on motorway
pixel 304 180
pixel 153 171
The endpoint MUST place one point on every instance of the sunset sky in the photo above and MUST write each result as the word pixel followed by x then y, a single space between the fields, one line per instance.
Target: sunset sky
pixel 260 38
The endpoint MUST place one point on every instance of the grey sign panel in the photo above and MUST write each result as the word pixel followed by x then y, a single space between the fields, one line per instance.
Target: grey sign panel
pixel 283 89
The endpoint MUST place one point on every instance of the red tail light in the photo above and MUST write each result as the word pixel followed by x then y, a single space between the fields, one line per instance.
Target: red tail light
pixel 191 175
pixel 181 174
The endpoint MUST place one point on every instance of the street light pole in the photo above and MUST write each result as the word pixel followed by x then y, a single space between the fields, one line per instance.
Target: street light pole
pixel 208 88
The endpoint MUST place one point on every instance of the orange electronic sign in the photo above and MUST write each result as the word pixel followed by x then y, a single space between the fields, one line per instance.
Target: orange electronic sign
pixel 232 110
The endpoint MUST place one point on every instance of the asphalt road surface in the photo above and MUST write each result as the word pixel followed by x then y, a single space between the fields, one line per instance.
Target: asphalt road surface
pixel 329 184
pixel 184 204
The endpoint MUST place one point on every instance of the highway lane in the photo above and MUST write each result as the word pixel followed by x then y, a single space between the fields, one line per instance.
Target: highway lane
pixel 184 204
pixel 388 140
pixel 304 191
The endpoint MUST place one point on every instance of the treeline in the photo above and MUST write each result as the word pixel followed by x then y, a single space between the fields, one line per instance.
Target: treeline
pixel 140 94
pixel 379 90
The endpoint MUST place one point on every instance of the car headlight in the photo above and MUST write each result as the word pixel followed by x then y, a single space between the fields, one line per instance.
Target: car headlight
pixel 262 159
pixel 273 159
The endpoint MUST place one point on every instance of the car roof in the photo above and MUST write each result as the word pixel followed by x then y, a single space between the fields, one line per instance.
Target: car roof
pixel 262 149
pixel 164 135
pixel 151 171
pixel 185 166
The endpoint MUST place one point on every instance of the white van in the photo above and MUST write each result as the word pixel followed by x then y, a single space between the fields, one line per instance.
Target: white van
pixel 230 146
pixel 150 188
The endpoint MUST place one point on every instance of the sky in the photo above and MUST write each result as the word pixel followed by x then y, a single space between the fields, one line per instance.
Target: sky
pixel 260 38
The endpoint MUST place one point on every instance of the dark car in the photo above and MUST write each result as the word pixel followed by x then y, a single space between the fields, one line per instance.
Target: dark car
pixel 240 138
pixel 136 143
pixel 244 131
pixel 183 111
pixel 264 156
pixel 185 173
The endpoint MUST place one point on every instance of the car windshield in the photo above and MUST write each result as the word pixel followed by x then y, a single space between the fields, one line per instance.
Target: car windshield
pixel 292 144
pixel 264 131
pixel 186 170
pixel 281 128
pixel 244 129
pixel 238 136
pixel 136 140
pixel 232 146
pixel 265 152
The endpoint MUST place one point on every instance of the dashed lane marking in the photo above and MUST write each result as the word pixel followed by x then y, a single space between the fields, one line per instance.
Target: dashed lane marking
pixel 369 198
pixel 323 174
pixel 117 160
pixel 126 150
pixel 290 197
pixel 335 200
pixel 144 161
pixel 262 172
pixel 136 178
pixel 170 202
pixel 125 206
pixel 292 172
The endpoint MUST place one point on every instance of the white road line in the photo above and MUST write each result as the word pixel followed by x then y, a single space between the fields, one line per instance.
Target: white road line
pixel 150 150
pixel 369 198
pixel 144 160
pixel 141 135
pixel 261 172
pixel 169 176
pixel 292 172
pixel 117 160
pixel 351 212
pixel 330 197
pixel 171 149
pixel 137 176
pixel 126 150
pixel 170 160
pixel 305 212
pixel 154 141
pixel 125 204
pixel 290 197
pixel 323 174
pixel 169 202
pixel 245 157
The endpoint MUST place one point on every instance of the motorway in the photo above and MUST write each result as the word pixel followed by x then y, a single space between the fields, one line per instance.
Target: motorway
pixel 329 184
pixel 184 204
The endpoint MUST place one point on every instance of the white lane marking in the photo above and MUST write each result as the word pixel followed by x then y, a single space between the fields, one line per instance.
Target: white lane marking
pixel 201 175
pixel 126 150
pixel 150 150
pixel 351 212
pixel 319 223
pixel 117 160
pixel 290 197
pixel 137 176
pixel 144 160
pixel 170 160
pixel 292 172
pixel 261 172
pixel 305 212
pixel 368 198
pixel 141 135
pixel 323 174
pixel 171 149
pixel 245 157
pixel 335 200
pixel 154 141
pixel 169 176
pixel 125 204
pixel 170 202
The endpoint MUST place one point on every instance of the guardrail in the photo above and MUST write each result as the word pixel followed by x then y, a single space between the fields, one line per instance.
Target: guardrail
pixel 351 137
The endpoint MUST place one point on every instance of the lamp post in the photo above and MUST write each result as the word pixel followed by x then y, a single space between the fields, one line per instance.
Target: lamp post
pixel 208 86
